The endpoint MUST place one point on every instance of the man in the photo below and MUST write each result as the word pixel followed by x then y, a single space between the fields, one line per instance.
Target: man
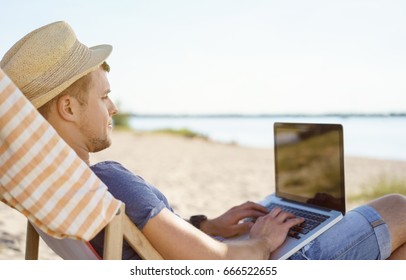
pixel 67 82
pixel 41 167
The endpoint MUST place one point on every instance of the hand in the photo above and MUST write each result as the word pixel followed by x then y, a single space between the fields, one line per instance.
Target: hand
pixel 273 228
pixel 228 224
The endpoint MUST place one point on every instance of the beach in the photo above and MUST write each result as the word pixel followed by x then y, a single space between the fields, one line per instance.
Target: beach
pixel 199 176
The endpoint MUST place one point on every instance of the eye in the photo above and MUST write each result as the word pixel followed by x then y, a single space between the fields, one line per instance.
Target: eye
pixel 105 95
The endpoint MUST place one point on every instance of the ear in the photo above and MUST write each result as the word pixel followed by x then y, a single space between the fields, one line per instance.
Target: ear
pixel 67 107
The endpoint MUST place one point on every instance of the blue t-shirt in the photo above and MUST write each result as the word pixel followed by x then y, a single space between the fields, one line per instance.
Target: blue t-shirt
pixel 142 200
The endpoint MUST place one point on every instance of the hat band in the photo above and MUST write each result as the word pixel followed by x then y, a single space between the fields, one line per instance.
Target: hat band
pixel 59 73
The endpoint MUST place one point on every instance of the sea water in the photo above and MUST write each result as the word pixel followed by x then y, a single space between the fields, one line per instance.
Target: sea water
pixel 373 136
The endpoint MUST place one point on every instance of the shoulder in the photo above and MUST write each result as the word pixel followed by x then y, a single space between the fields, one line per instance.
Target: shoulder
pixel 111 172
pixel 111 168
pixel 124 184
pixel 143 201
pixel 108 166
pixel 120 179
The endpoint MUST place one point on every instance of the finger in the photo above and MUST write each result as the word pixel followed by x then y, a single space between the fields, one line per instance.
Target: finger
pixel 249 205
pixel 249 213
pixel 256 206
pixel 294 221
pixel 275 212
pixel 242 228
pixel 257 214
pixel 283 216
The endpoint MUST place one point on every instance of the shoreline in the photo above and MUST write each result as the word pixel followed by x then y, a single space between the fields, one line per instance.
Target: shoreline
pixel 186 168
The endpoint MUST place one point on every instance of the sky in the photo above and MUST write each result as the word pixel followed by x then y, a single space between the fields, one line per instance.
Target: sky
pixel 237 57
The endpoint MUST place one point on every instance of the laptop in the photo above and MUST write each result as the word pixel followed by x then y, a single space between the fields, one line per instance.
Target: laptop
pixel 309 180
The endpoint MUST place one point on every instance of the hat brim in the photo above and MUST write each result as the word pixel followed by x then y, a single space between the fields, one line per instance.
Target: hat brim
pixel 98 54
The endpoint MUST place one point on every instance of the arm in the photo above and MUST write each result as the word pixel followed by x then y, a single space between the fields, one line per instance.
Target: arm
pixel 174 238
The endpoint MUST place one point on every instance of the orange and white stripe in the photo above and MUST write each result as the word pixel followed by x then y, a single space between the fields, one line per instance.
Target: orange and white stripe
pixel 42 177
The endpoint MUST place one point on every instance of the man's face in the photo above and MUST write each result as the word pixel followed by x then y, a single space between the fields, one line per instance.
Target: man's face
pixel 96 121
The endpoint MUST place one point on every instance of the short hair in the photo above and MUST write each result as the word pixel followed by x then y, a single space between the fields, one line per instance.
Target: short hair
pixel 78 90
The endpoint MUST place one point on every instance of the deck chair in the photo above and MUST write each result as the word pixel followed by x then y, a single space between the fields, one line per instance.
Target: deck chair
pixel 69 249
pixel 119 228
pixel 39 170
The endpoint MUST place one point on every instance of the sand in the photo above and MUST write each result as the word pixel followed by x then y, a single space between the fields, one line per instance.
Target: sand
pixel 198 177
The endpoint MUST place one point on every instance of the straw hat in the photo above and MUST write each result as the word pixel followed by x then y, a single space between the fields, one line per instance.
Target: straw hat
pixel 49 59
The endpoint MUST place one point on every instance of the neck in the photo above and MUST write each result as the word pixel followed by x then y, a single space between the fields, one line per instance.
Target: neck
pixel 81 151
pixel 72 137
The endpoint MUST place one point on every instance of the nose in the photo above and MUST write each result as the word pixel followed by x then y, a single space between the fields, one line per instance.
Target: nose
pixel 112 108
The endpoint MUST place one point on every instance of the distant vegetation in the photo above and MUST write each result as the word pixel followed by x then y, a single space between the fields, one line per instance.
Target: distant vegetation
pixel 122 121
pixel 381 187
pixel 184 132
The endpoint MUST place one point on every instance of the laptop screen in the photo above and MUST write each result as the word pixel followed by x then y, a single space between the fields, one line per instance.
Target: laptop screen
pixel 309 164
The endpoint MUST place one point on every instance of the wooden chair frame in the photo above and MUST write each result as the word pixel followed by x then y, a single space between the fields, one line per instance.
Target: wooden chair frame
pixel 121 227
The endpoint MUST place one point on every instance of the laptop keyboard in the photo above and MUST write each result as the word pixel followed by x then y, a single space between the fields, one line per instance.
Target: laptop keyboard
pixel 312 220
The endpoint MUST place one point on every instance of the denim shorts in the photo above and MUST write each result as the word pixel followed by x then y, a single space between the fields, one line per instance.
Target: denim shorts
pixel 360 235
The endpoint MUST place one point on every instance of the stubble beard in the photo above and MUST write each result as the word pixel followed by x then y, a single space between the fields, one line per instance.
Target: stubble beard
pixel 99 144
pixel 96 143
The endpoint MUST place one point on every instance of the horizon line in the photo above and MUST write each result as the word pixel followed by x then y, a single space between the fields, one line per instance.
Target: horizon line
pixel 258 115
